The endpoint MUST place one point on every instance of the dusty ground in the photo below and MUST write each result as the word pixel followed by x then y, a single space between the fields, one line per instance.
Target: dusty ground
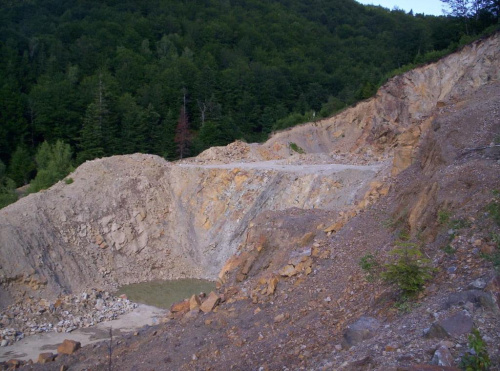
pixel 30 347
pixel 301 325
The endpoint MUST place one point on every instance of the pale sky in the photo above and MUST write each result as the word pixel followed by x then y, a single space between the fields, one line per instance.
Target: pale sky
pixel 428 7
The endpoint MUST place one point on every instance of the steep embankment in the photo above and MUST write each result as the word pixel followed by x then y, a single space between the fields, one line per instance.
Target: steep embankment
pixel 133 218
pixel 137 218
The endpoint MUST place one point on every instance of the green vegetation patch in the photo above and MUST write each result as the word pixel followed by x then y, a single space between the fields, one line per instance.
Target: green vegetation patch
pixel 296 148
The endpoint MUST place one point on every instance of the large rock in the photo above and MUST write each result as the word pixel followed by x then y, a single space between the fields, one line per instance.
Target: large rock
pixel 68 347
pixel 442 357
pixel 210 302
pixel 182 306
pixel 46 357
pixel 364 328
pixel 194 302
pixel 454 326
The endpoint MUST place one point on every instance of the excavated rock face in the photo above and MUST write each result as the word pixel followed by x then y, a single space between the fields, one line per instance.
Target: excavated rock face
pixel 134 218
pixel 401 110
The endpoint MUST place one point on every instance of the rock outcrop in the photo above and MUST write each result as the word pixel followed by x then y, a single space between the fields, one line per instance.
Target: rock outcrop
pixel 135 218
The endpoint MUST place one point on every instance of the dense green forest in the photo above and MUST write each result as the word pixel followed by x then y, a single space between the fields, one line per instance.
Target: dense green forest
pixel 171 77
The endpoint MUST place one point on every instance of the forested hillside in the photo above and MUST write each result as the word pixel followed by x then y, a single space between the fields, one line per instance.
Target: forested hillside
pixel 174 77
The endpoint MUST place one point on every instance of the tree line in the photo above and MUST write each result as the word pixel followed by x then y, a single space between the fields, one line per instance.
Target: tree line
pixel 173 78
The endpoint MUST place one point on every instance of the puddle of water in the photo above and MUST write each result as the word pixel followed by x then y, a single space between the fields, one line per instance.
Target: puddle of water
pixel 162 294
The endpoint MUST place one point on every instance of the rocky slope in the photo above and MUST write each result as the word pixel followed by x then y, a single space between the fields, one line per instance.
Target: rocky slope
pixel 284 233
pixel 136 218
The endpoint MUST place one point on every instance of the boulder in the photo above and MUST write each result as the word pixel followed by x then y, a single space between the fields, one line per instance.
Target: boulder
pixel 14 363
pixel 210 303
pixel 442 357
pixel 493 288
pixel 271 285
pixel 68 347
pixel 454 326
pixel 194 302
pixel 182 306
pixel 46 357
pixel 364 328
pixel 476 297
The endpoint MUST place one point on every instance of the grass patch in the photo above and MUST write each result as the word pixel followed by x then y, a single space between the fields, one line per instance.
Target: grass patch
pixel 493 207
pixel 369 264
pixel 68 180
pixel 296 148
pixel 444 217
pixel 449 250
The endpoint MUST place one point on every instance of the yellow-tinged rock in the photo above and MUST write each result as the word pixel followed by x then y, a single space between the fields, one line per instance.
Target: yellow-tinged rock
pixel 68 347
pixel 306 239
pixel 194 302
pixel 335 227
pixel 384 190
pixel 288 271
pixel 272 283
pixel 403 158
pixel 210 302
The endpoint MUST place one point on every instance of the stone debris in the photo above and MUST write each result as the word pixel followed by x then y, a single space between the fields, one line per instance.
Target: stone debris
pixel 65 314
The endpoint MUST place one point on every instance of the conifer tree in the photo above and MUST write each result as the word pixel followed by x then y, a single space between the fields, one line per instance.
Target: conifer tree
pixel 21 166
pixel 182 135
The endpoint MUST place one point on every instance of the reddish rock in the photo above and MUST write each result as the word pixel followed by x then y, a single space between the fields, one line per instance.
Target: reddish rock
pixel 210 303
pixel 46 357
pixel 182 306
pixel 14 363
pixel 68 347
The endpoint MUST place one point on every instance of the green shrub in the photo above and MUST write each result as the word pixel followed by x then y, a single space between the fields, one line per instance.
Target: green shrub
pixel 494 258
pixel 449 250
pixel 493 207
pixel 478 358
pixel 68 180
pixel 7 188
pixel 296 148
pixel 410 271
pixel 369 264
pixel 53 163
pixel 443 217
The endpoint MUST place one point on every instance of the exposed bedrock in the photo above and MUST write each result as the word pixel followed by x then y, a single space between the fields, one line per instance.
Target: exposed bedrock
pixel 134 218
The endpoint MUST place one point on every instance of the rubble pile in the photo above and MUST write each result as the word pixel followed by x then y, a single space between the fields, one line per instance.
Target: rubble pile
pixel 65 314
